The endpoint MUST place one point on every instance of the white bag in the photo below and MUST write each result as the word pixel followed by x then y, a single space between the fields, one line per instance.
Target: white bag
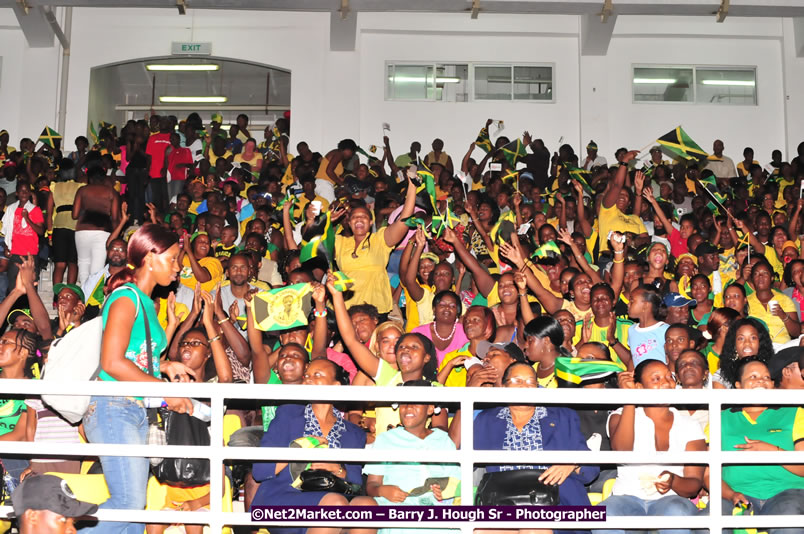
pixel 76 358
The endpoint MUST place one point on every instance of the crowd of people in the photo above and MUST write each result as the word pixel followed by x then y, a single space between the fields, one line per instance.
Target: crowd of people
pixel 550 271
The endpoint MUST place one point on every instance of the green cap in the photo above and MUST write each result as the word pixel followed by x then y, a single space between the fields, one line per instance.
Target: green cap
pixel 217 117
pixel 12 317
pixel 72 287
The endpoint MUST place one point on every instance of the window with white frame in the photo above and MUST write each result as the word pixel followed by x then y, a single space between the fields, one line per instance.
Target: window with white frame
pixel 450 82
pixel 698 84
pixel 442 82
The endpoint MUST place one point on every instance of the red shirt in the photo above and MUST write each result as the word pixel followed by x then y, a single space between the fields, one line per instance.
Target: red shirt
pixel 678 245
pixel 178 156
pixel 155 148
pixel 25 240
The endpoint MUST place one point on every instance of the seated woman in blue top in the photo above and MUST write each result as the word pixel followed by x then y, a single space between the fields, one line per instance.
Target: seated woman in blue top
pixel 536 428
pixel 293 421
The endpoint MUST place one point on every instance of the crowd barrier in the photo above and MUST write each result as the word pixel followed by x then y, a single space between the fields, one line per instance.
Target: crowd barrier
pixel 468 399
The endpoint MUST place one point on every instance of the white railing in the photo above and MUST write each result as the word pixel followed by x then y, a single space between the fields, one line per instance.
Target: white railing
pixel 467 398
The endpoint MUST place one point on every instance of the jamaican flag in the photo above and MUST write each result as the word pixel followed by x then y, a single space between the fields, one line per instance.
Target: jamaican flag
pixel 513 151
pixel 716 199
pixel 448 220
pixel 319 241
pixel 506 225
pixel 287 198
pixel 97 296
pixel 281 309
pixel 342 282
pixel 678 144
pixel 93 133
pixel 368 156
pixel 425 190
pixel 414 222
pixel 483 142
pixel 106 125
pixel 582 176
pixel 577 370
pixel 49 136
pixel 547 250
pixel 511 178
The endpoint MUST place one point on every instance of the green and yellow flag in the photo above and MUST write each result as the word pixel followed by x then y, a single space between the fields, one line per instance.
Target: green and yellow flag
pixel 502 230
pixel 677 143
pixel 513 151
pixel 512 179
pixel 320 240
pixel 93 133
pixel 547 250
pixel 577 370
pixel 49 136
pixel 483 141
pixel 414 222
pixel 282 308
pixel 342 282
pixel 425 192
pixel 582 176
pixel 716 199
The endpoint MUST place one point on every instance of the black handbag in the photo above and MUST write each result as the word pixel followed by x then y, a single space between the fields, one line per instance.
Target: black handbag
pixel 183 429
pixel 520 487
pixel 323 480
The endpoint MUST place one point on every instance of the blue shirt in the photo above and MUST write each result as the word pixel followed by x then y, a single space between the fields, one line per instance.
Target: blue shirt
pixel 647 343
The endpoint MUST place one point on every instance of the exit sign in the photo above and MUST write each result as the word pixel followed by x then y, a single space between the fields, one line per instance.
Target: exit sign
pixel 191 49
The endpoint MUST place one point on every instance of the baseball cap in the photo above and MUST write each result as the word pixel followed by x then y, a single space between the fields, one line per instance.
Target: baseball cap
pixel 676 300
pixel 782 359
pixel 217 117
pixel 48 492
pixel 483 348
pixel 72 287
pixel 655 148
pixel 12 317
pixel 705 248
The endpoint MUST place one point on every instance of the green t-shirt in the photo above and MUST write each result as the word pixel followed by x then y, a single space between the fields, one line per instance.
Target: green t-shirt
pixel 137 351
pixel 783 427
pixel 10 412
pixel 269 411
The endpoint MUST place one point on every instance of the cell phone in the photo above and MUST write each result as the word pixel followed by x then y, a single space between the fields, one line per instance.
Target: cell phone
pixel 495 166
pixel 801 191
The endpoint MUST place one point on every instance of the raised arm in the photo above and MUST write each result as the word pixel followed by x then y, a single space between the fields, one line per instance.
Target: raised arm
pixel 565 237
pixel 320 326
pixel 550 302
pixel 38 312
pixel 223 366
pixel 621 426
pixel 415 248
pixel 752 239
pixel 396 232
pixel 186 325
pixel 467 157
pixel 648 195
pixel 201 273
pixel 616 185
pixel 483 280
pixel 389 156
pixel 227 324
pixel 260 358
pixel 367 361
pixel 287 226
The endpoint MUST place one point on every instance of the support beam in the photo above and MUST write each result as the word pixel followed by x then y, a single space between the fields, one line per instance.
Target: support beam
pixel 342 32
pixel 722 11
pixel 596 35
pixel 798 36
pixel 34 25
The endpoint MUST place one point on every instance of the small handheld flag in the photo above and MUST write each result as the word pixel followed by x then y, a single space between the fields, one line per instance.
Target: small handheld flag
pixel 342 282
pixel 49 136
pixel 483 142
pixel 547 250
pixel 281 309
pixel 320 240
pixel 514 151
pixel 677 143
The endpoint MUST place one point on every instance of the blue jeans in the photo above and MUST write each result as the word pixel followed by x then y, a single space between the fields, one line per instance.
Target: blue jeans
pixel 119 420
pixel 788 502
pixel 629 505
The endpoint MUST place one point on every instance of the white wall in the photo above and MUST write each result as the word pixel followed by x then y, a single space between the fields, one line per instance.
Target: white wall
pixel 341 94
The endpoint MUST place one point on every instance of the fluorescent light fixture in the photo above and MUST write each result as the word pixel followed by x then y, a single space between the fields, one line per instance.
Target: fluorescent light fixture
pixel 422 79
pixel 176 67
pixel 745 83
pixel 655 80
pixel 193 99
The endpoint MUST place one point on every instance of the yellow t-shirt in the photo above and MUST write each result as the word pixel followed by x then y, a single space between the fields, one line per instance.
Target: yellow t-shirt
pixel 322 170
pixel 367 265
pixel 613 219
pixel 599 334
pixel 213 158
pixel 418 312
pixel 210 264
pixel 776 326
pixel 181 311
pixel 63 196
pixel 548 381
pixel 457 377
pixel 254 161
